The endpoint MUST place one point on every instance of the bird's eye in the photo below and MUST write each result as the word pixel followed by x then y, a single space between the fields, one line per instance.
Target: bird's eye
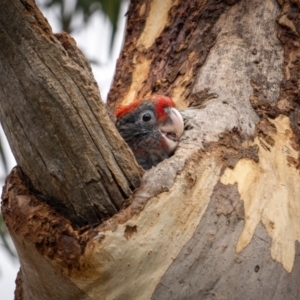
pixel 147 117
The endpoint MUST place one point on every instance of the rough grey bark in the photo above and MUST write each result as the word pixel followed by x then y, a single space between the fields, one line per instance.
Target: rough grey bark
pixel 55 121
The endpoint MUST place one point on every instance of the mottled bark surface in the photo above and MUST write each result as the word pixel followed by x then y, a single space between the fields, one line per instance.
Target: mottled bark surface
pixel 166 44
pixel 219 219
pixel 56 122
pixel 41 236
pixel 208 267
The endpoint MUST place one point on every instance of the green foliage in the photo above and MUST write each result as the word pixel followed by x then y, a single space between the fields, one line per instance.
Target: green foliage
pixel 86 8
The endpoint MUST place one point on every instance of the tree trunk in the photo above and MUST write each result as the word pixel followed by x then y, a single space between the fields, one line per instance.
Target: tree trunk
pixel 56 123
pixel 219 219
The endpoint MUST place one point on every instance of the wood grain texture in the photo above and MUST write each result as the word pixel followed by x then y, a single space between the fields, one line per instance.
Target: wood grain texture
pixel 56 123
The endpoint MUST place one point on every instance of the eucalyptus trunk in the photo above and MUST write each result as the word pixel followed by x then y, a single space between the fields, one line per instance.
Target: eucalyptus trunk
pixel 220 218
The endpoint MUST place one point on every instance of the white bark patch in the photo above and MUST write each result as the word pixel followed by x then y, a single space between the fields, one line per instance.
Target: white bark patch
pixel 156 21
pixel 139 75
pixel 243 52
pixel 131 267
pixel 270 191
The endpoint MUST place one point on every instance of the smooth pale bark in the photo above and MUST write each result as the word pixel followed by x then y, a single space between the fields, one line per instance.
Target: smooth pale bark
pixel 219 219
pixel 56 123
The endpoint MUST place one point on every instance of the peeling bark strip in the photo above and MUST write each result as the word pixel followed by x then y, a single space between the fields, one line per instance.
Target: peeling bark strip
pixel 166 43
pixel 269 189
pixel 208 266
pixel 55 121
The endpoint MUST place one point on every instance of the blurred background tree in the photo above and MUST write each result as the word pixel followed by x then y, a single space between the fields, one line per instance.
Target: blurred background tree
pixel 4 239
pixel 69 10
pixel 72 16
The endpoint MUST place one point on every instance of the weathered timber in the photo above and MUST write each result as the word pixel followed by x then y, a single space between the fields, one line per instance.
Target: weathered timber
pixel 57 126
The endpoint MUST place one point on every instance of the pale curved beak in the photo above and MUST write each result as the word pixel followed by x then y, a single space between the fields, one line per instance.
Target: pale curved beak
pixel 172 129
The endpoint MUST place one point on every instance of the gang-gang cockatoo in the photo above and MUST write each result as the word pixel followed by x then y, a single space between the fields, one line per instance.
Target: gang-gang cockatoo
pixel 151 127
